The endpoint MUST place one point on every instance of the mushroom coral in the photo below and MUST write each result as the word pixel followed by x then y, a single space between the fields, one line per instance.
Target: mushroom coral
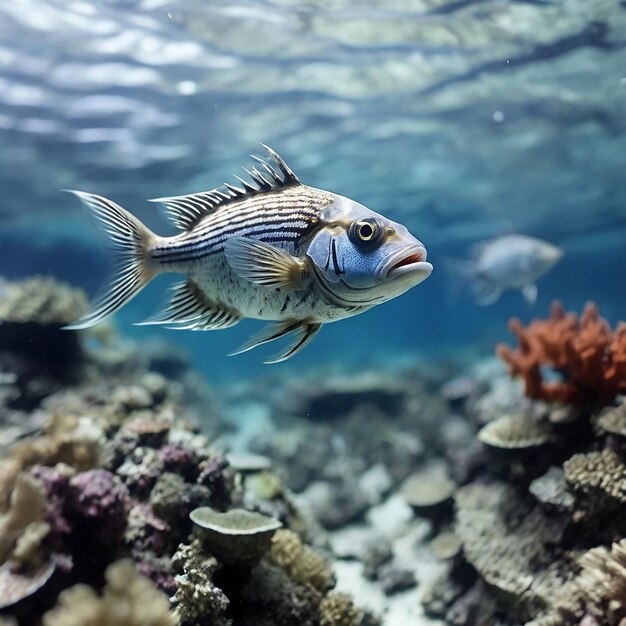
pixel 586 354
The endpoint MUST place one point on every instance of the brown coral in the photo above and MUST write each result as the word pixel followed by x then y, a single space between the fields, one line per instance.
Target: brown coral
pixel 585 352
pixel 302 564
pixel 22 527
pixel 129 599
pixel 596 474
pixel 338 609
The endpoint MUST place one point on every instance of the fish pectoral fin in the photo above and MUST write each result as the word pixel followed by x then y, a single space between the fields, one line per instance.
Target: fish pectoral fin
pixel 485 293
pixel 304 333
pixel 190 309
pixel 530 293
pixel 264 264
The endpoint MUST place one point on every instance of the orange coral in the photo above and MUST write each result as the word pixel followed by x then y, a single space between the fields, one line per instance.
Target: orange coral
pixel 588 356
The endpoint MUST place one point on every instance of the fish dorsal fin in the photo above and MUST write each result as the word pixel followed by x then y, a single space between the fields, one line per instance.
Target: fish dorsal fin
pixel 186 211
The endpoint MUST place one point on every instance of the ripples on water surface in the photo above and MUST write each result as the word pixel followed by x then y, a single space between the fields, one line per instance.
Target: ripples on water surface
pixel 462 118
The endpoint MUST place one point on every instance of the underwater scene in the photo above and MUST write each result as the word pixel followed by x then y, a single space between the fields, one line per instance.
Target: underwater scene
pixel 313 313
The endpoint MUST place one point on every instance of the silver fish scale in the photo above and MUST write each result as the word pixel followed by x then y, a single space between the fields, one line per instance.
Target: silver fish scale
pixel 281 218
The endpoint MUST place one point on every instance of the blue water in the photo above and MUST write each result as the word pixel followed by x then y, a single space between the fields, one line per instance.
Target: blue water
pixel 464 120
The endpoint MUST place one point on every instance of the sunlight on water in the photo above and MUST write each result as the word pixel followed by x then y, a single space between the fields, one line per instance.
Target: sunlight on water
pixel 395 472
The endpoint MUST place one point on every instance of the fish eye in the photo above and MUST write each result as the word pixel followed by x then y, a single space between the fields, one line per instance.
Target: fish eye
pixel 366 232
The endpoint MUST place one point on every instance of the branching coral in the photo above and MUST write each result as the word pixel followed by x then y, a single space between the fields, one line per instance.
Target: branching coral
pixel 196 596
pixel 597 595
pixel 585 352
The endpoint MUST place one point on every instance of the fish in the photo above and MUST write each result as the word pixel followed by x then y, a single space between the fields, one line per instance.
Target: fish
pixel 269 248
pixel 508 262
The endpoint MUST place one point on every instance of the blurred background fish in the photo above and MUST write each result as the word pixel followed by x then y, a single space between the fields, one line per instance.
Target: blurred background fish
pixel 507 262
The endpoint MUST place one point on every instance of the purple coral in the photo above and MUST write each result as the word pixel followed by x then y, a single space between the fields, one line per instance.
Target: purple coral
pixel 140 471
pixel 146 532
pixel 179 459
pixel 158 570
pixel 214 474
pixel 100 500
pixel 57 486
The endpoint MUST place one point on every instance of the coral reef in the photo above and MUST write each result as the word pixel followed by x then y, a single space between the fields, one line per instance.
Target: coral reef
pixel 589 358
pixel 492 505
pixel 274 599
pixel 612 420
pixel 338 395
pixel 114 508
pixel 430 489
pixel 42 301
pixel 512 544
pixel 538 516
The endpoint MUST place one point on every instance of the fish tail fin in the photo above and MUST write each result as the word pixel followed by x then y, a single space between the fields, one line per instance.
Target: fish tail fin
pixel 133 270
pixel 459 276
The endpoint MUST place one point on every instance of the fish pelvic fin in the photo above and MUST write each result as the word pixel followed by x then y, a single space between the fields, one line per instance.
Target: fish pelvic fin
pixel 530 292
pixel 264 264
pixel 133 269
pixel 304 332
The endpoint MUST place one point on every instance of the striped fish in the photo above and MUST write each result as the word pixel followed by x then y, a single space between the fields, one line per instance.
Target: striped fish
pixel 270 249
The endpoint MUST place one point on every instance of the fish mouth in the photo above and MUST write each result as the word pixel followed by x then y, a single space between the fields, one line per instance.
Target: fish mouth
pixel 407 261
